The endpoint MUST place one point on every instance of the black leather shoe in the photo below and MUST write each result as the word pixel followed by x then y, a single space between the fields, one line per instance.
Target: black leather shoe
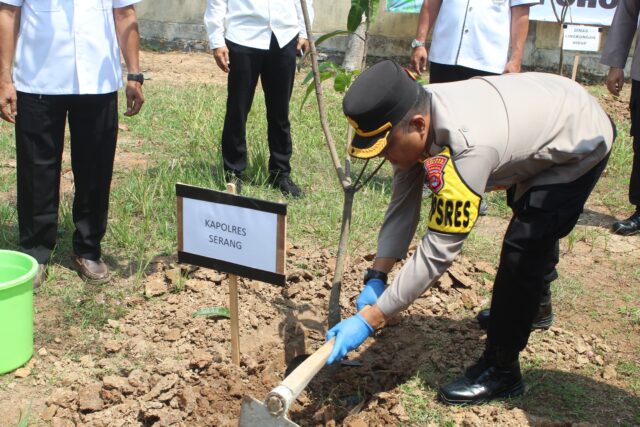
pixel 286 186
pixel 629 226
pixel 482 383
pixel 542 321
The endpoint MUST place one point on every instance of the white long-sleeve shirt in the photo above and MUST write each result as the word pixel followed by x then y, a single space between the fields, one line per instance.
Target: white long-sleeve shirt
pixel 251 23
pixel 67 47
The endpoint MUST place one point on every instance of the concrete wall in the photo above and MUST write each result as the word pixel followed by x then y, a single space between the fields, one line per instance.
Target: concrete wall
pixel 179 24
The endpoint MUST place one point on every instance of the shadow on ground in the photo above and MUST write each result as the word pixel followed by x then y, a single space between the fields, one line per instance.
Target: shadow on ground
pixel 430 351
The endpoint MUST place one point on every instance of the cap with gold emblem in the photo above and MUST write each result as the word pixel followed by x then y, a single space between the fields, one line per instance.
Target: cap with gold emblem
pixel 376 101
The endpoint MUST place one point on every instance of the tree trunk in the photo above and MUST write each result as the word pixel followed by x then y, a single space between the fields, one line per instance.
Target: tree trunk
pixel 354 53
pixel 335 314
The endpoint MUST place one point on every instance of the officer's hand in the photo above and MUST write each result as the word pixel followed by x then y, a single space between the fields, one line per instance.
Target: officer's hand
pixel 221 56
pixel 615 80
pixel 349 333
pixel 419 59
pixel 8 102
pixel 370 294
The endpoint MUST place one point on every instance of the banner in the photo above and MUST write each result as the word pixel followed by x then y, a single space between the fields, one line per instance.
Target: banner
pixel 586 12
pixel 404 6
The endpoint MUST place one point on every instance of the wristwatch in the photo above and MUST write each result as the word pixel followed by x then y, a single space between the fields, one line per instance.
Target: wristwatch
pixel 375 274
pixel 416 43
pixel 139 77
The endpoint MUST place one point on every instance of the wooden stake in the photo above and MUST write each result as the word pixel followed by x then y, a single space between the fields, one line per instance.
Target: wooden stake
pixel 233 306
pixel 576 61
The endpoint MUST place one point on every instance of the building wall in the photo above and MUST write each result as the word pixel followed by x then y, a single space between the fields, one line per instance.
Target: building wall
pixel 179 24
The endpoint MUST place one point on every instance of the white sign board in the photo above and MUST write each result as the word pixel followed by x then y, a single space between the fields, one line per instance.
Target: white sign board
pixel 587 12
pixel 231 233
pixel 581 37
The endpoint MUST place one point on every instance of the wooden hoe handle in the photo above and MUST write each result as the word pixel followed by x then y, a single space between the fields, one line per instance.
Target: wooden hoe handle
pixel 281 397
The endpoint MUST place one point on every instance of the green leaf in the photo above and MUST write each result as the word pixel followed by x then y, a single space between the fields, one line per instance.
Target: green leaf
pixel 327 36
pixel 373 13
pixel 212 312
pixel 355 17
pixel 307 78
pixel 323 76
pixel 328 66
pixel 24 419
pixel 342 82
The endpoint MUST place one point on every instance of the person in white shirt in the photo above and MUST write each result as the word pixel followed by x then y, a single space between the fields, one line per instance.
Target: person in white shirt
pixel 67 67
pixel 470 39
pixel 252 40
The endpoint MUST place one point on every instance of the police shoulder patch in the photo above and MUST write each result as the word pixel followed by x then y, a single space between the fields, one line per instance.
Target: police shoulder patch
pixel 454 206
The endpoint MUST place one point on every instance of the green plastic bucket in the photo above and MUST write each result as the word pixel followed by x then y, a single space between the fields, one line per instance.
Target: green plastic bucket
pixel 17 271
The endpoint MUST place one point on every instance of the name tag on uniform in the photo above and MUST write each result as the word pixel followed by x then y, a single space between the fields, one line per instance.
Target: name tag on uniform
pixel 454 206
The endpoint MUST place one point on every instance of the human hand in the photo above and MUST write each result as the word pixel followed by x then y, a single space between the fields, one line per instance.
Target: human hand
pixel 370 294
pixel 8 102
pixel 221 55
pixel 135 98
pixel 303 45
pixel 349 333
pixel 512 67
pixel 419 59
pixel 615 80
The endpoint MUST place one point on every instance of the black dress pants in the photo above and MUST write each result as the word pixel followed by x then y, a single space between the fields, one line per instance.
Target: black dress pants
pixel 634 107
pixel 443 73
pixel 276 68
pixel 541 217
pixel 40 127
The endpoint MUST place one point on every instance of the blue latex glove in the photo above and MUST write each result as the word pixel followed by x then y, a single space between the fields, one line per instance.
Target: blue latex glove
pixel 370 294
pixel 349 333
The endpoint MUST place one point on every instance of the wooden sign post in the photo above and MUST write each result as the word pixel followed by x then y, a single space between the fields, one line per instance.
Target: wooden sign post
pixel 233 234
pixel 233 306
pixel 580 38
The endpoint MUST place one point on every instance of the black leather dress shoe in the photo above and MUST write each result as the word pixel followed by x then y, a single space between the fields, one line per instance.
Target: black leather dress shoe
pixel 543 320
pixel 286 186
pixel 483 382
pixel 629 226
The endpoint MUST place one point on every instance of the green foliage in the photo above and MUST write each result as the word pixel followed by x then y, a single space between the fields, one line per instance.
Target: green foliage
pixel 359 8
pixel 329 69
pixel 24 419
pixel 209 312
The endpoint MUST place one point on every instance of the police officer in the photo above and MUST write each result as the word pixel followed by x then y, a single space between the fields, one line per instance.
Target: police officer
pixel 541 134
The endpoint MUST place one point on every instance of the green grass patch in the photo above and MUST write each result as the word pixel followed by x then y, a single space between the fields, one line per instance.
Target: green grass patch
pixel 418 399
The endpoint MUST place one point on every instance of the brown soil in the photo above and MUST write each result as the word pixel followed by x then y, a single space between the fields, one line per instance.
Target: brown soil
pixel 159 366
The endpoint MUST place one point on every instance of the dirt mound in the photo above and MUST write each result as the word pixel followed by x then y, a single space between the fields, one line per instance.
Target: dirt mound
pixel 160 366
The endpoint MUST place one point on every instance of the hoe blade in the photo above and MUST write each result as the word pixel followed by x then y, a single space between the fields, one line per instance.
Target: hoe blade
pixel 255 414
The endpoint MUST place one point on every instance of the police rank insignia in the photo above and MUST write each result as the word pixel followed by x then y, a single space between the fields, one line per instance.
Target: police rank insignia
pixel 454 206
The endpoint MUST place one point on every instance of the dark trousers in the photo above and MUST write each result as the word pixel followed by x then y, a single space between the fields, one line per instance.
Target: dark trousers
pixel 40 127
pixel 276 68
pixel 634 107
pixel 442 73
pixel 541 217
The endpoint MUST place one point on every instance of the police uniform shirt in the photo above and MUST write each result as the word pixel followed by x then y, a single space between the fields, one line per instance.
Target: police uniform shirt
pixel 250 23
pixel 67 47
pixel 486 133
pixel 474 34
